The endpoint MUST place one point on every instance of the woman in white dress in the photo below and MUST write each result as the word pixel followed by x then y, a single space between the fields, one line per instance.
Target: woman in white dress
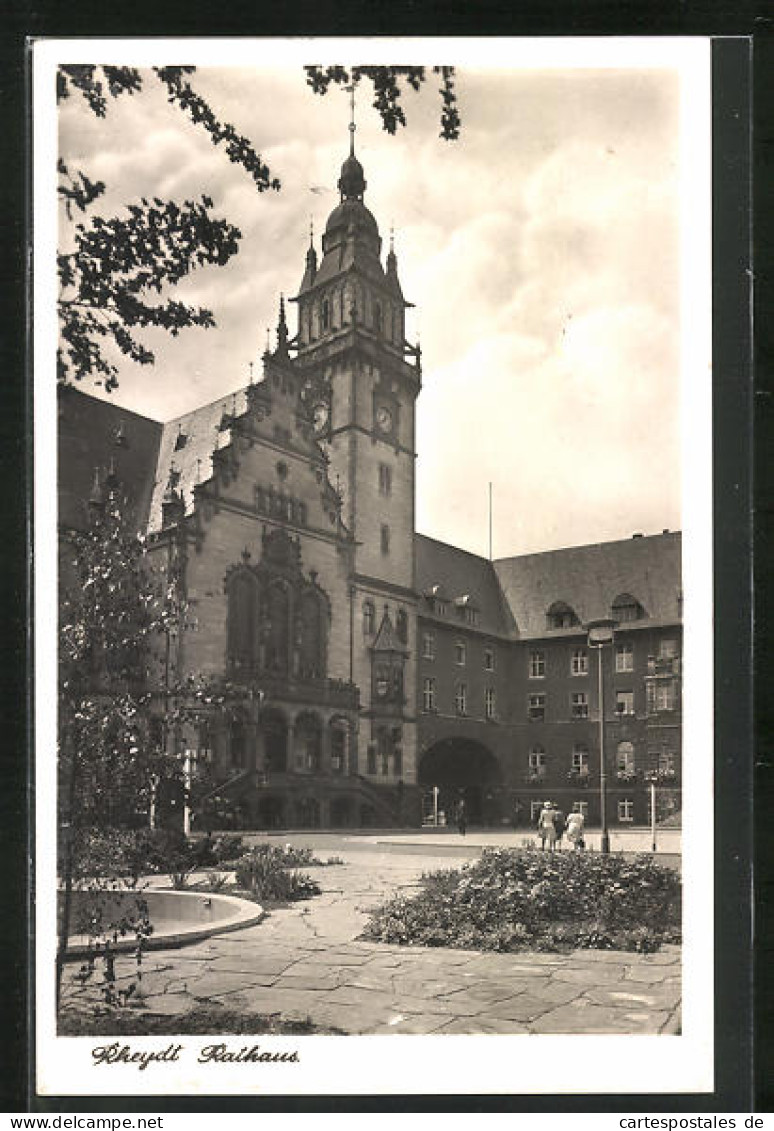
pixel 574 826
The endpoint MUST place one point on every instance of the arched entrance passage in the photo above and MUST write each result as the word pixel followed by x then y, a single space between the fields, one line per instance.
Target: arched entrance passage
pixel 463 769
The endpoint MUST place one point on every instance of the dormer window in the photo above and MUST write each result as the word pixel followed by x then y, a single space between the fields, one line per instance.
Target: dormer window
pixel 561 615
pixel 466 610
pixel 626 608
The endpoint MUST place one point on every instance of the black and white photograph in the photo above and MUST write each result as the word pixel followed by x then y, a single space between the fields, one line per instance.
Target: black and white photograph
pixel 374 569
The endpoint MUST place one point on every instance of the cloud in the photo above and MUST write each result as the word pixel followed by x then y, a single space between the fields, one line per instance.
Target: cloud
pixel 540 249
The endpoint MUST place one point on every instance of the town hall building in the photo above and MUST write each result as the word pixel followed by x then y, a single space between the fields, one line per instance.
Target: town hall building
pixel 382 676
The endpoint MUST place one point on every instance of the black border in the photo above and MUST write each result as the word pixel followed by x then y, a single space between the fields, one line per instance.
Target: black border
pixel 732 401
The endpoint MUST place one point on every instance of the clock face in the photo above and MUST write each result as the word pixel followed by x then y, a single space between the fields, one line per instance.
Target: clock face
pixel 320 416
pixel 383 419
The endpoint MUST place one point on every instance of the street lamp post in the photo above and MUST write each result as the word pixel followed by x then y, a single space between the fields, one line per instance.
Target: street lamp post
pixel 600 634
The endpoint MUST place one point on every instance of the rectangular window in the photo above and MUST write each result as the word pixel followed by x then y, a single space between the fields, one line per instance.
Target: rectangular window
pixel 537 761
pixel 580 761
pixel 624 702
pixel 385 538
pixel 397 761
pixel 461 699
pixel 582 807
pixel 626 810
pixel 667 649
pixel 579 705
pixel 489 659
pixel 580 662
pixel 537 708
pixel 665 695
pixel 489 702
pixel 460 653
pixel 624 658
pixel 371 758
pixel 534 810
pixel 428 695
pixel 385 479
pixel 428 645
pixel 537 665
pixel 337 751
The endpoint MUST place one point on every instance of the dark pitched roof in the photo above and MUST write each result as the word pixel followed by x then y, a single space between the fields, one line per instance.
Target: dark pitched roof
pixel 589 578
pixel 93 434
pixel 460 574
pixel 192 459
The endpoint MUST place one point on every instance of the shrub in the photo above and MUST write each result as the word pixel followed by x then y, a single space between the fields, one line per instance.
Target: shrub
pixel 510 900
pixel 265 873
pixel 227 847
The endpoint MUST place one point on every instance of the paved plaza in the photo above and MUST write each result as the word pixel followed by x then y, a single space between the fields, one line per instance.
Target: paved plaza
pixel 307 961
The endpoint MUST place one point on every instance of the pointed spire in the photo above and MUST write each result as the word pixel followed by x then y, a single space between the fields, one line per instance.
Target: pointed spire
pixel 111 479
pixel 97 496
pixel 392 267
pixel 282 329
pixel 352 182
pixel 311 261
pixel 252 379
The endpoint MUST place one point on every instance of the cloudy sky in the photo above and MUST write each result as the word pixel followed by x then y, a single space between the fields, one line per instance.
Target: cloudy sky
pixel 541 251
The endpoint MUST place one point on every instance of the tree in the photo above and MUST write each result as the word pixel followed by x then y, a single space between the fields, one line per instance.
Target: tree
pixel 110 754
pixel 109 280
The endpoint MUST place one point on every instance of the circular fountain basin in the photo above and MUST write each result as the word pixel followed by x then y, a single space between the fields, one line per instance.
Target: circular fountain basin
pixel 177 917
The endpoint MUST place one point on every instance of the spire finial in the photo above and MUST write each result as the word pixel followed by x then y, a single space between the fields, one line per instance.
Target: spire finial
pixel 392 238
pixel 311 231
pixel 250 364
pixel 352 126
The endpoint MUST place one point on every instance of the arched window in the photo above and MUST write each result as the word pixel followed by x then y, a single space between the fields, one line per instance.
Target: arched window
pixel 326 314
pixel 312 637
pixel 241 612
pixel 278 607
pixel 625 758
pixel 626 608
pixel 401 626
pixel 561 615
pixel 378 317
pixel 369 617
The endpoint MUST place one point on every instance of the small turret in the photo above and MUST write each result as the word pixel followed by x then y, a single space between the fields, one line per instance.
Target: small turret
pixel 282 331
pixel 311 264
pixel 97 497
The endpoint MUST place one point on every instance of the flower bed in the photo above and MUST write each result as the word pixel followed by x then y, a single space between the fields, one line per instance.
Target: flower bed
pixel 510 900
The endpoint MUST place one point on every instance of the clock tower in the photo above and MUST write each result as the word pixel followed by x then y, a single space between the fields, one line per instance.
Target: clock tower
pixel 362 379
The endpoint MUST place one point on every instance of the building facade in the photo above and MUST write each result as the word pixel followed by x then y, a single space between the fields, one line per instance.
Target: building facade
pixel 376 668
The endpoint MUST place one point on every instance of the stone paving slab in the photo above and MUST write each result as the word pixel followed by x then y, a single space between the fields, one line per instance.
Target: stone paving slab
pixel 308 961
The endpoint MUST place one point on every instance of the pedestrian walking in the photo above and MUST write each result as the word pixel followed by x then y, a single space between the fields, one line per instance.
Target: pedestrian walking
pixel 547 826
pixel 558 825
pixel 462 818
pixel 575 823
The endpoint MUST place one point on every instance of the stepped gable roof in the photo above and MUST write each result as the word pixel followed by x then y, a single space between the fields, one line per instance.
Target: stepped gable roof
pixel 589 578
pixel 460 575
pixel 205 430
pixel 97 434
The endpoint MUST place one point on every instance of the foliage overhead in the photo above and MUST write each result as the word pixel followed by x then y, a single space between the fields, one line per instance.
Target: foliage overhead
pixel 118 265
pixel 387 93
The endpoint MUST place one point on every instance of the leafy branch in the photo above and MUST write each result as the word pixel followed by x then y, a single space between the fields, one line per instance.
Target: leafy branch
pixel 387 92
